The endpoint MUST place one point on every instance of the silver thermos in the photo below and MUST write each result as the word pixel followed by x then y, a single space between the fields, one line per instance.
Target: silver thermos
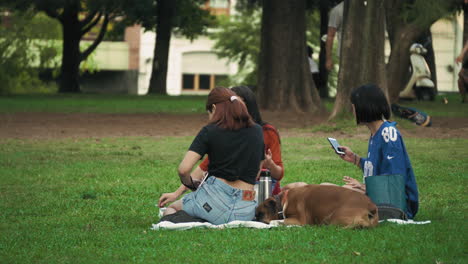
pixel 264 186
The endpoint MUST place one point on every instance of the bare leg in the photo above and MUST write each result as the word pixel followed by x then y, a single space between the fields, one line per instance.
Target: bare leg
pixel 351 187
pixel 173 208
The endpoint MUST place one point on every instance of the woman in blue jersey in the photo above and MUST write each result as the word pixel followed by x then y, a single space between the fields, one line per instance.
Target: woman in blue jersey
pixel 386 153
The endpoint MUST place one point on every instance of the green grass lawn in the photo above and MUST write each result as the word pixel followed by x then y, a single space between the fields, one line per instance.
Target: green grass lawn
pixel 98 103
pixel 88 201
pixel 114 104
pixel 93 200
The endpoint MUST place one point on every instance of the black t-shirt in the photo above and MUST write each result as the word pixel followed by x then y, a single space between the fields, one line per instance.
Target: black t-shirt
pixel 234 154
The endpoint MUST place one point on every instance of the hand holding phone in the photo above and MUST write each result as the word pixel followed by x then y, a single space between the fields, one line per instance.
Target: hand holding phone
pixel 336 146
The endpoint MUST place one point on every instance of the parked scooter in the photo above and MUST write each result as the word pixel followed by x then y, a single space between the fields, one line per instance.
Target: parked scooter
pixel 420 85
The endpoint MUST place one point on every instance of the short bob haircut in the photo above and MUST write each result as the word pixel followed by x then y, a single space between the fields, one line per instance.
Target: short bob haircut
pixel 249 99
pixel 370 104
pixel 231 113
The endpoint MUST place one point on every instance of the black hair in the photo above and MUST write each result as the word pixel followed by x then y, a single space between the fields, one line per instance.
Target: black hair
pixel 370 104
pixel 249 99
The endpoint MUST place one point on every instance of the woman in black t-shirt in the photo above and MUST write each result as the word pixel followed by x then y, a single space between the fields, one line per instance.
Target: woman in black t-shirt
pixel 234 144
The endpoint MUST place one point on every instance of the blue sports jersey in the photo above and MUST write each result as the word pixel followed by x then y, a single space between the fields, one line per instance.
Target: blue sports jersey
pixel 387 155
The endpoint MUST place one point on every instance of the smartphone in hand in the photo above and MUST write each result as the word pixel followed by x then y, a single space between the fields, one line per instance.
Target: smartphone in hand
pixel 336 146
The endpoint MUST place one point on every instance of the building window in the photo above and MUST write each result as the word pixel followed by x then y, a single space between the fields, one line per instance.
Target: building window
pixel 202 82
pixel 188 81
pixel 205 82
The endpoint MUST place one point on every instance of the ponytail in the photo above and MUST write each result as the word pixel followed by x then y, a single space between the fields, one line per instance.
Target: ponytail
pixel 231 113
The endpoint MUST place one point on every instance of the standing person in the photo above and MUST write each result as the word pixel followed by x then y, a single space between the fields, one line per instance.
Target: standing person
pixel 234 144
pixel 335 28
pixel 314 69
pixel 386 153
pixel 272 141
pixel 463 74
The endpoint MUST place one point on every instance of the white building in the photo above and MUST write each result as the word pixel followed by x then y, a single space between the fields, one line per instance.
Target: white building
pixel 193 67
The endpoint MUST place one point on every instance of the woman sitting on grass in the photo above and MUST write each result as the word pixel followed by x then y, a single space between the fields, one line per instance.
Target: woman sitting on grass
pixel 386 153
pixel 234 144
pixel 271 139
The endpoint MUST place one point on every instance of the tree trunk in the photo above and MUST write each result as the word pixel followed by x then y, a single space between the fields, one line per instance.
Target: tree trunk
pixel 284 81
pixel 70 68
pixel 165 14
pixel 465 25
pixel 426 41
pixel 323 72
pixel 402 35
pixel 362 51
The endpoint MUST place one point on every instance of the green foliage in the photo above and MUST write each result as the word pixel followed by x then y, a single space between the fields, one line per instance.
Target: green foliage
pixel 27 46
pixel 426 12
pixel 192 21
pixel 238 40
pixel 189 20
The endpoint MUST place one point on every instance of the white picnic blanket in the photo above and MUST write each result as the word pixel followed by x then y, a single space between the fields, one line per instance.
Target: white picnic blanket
pixel 234 224
pixel 406 222
pixel 166 225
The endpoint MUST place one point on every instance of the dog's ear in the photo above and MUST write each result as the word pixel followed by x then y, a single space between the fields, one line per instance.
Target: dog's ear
pixel 271 203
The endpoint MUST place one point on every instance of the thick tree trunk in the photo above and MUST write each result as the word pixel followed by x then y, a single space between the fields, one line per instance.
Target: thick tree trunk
pixel 399 60
pixel 284 81
pixel 402 35
pixel 70 68
pixel 362 51
pixel 165 13
pixel 323 72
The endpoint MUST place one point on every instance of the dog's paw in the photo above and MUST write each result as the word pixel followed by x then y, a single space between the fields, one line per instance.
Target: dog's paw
pixel 277 222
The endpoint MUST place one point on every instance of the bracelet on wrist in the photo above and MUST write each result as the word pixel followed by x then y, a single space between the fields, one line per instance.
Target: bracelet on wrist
pixel 356 160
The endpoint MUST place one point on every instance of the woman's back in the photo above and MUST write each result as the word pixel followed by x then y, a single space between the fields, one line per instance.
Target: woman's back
pixel 234 154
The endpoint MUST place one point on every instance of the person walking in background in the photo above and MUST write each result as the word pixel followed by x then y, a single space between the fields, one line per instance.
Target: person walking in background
pixel 463 74
pixel 335 28
pixel 314 69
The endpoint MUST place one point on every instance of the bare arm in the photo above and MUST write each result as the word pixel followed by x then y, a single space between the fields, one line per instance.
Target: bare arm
pixel 275 170
pixel 185 167
pixel 350 156
pixel 166 198
pixel 197 174
pixel 459 59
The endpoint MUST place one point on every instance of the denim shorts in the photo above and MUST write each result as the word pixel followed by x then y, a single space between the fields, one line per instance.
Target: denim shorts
pixel 218 203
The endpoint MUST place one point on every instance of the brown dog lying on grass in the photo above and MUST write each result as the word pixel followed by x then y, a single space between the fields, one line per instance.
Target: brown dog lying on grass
pixel 320 205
